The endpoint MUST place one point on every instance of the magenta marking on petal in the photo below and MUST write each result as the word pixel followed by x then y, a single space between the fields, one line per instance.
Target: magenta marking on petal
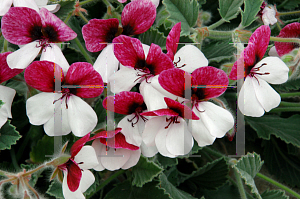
pixel 173 39
pixel 138 17
pixel 260 38
pixel 77 146
pixel 106 134
pixel 118 141
pixel 6 73
pixel 73 176
pixel 182 110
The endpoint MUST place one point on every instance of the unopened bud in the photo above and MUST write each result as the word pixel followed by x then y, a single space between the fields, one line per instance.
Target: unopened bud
pixel 60 160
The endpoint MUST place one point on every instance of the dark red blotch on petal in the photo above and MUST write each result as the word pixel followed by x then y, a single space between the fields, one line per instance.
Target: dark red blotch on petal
pixel 106 134
pixel 6 73
pixel 118 141
pixel 77 146
pixel 161 112
pixel 74 175
pixel 182 110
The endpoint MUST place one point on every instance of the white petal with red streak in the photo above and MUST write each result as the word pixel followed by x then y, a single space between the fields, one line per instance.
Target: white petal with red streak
pixel 87 156
pixel 5 6
pixel 132 134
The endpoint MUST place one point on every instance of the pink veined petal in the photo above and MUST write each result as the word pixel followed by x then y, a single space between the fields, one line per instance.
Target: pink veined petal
pixel 40 75
pixel 183 110
pixel 291 30
pixel 173 39
pixel 5 6
pixel 86 158
pixel 28 3
pixel 67 192
pixel 125 102
pixel 173 81
pixel 77 146
pixel 114 159
pixel 19 24
pixel 6 73
pixel 179 140
pixel 6 95
pixel 138 17
pixel 215 79
pixel 133 160
pixel 106 134
pixel 260 38
pixel 161 112
pixel 157 61
pixel 132 133
pixel 73 176
pixel 122 1
pixel 98 32
pixel 83 73
pixel 118 141
pixel 129 51
pixel 56 29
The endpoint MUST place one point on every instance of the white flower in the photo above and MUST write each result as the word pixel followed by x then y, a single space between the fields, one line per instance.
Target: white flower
pixel 268 15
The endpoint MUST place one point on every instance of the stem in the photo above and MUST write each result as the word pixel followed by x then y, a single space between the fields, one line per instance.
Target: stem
pixel 293 40
pixel 220 34
pixel 68 18
pixel 282 4
pixel 34 170
pixel 13 159
pixel 286 95
pixel 83 17
pixel 289 104
pixel 84 53
pixel 32 189
pixel 278 26
pixel 234 183
pixel 108 180
pixel 289 13
pixel 278 185
pixel 106 2
pixel 85 2
pixel 285 109
pixel 5 45
pixel 240 184
pixel 217 24
pixel 214 153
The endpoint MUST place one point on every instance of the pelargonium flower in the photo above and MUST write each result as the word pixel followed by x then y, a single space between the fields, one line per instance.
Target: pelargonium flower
pixel 77 115
pixel 6 94
pixel 132 105
pixel 156 2
pixel 77 178
pixel 291 30
pixel 256 95
pixel 168 131
pixel 113 152
pixel 206 82
pixel 36 31
pixel 137 18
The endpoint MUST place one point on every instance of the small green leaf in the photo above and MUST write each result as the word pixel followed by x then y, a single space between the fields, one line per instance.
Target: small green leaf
pixel 287 129
pixel 229 9
pixel 66 7
pixel 224 52
pixel 144 171
pixel 154 36
pixel 8 136
pixel 291 84
pixel 184 11
pixel 224 192
pixel 43 148
pixel 247 167
pixel 20 86
pixel 251 9
pixel 55 189
pixel 165 161
pixel 1 103
pixel 171 190
pixel 274 194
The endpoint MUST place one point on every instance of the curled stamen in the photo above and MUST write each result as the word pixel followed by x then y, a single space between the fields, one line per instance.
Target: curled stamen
pixel 172 119
pixel 182 66
pixel 147 76
pixel 175 63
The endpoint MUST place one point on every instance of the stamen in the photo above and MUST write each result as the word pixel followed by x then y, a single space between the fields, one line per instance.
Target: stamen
pixel 172 119
pixel 175 63
pixel 254 72
pixel 144 75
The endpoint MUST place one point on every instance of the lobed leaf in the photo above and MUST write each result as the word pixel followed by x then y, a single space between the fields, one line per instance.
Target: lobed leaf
pixel 229 9
pixel 278 194
pixel 153 36
pixel 251 8
pixel 55 189
pixel 8 136
pixel 66 7
pixel 43 148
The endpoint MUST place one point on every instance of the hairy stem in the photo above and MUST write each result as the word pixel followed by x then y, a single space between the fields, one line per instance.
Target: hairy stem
pixel 240 184
pixel 83 17
pixel 5 46
pixel 83 51
pixel 289 13
pixel 68 18
pixel 217 24
pixel 85 2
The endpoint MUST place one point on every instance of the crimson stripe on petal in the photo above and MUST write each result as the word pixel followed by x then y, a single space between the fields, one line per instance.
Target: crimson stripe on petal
pixel 73 176
pixel 21 25
pixel 260 38
pixel 138 17
pixel 182 110
pixel 98 32
pixel 106 134
pixel 83 73
pixel 118 141
pixel 77 146
pixel 6 73
pixel 40 75
pixel 173 39
pixel 161 112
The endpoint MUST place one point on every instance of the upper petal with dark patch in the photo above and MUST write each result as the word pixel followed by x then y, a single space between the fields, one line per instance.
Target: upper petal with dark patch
pixel 173 39
pixel 260 38
pixel 6 73
pixel 73 176
pixel 118 141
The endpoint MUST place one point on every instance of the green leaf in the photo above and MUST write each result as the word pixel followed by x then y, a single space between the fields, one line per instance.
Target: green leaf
pixel 229 9
pixel 43 148
pixel 165 161
pixel 291 84
pixel 287 129
pixel 210 176
pixel 8 136
pixel 172 190
pixel 274 194
pixel 154 36
pixel 20 86
pixel 66 7
pixel 224 52
pixel 225 192
pixel 184 11
pixel 291 4
pixel 247 167
pixel 18 110
pixel 126 191
pixel 251 9
pixel 55 189
pixel 144 171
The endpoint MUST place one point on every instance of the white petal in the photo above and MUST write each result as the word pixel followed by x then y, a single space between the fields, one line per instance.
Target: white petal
pixel 52 8
pixel 265 94
pixel 53 53
pixel 268 16
pixel 41 2
pixel 133 160
pixel 247 100
pixel 191 56
pixel 6 95
pixel 68 194
pixel 279 72
pixel 160 141
pixel 152 127
pixel 156 2
pixel 24 56
pixel 179 139
pixel 106 64
pixel 87 179
pixel 82 118
pixel 132 134
pixel 273 52
pixel 87 156
pixel 28 3
pixel 5 6
pixel 114 158
pixel 148 151
pixel 124 80
pixel 98 147
pixel 216 119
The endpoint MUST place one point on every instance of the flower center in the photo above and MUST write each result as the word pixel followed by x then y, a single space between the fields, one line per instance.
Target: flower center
pixel 66 92
pixel 254 72
pixel 171 120
pixel 137 115
pixel 175 63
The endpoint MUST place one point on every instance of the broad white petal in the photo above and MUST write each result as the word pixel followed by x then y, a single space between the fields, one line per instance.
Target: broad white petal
pixel 152 127
pixel 124 80
pixel 133 160
pixel 160 141
pixel 179 139
pixel 52 8
pixel 247 100
pixel 216 119
pixel 24 56
pixel 28 3
pixel 68 194
pixel 3 119
pixel 148 151
pixel 191 56
pixel 277 69
pixel 6 95
pixel 273 52
pixel 98 147
pixel 265 94
pixel 41 2
pixel 53 53
pixel 114 159
pixel 132 134
pixel 82 118
pixel 87 179
pixel 5 6
pixel 87 156
pixel 106 64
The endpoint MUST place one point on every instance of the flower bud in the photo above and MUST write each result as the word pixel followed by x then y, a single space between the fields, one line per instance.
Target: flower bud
pixel 60 160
